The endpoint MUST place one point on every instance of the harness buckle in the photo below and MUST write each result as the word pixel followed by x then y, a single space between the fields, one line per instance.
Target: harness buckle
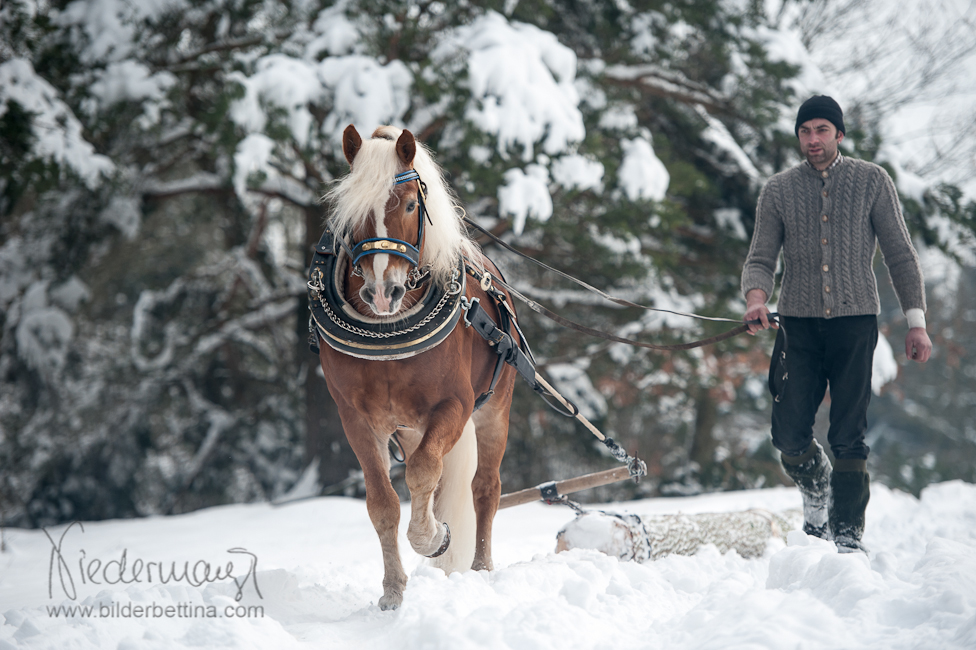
pixel 486 281
pixel 454 288
pixel 467 306
pixel 315 285
pixel 417 275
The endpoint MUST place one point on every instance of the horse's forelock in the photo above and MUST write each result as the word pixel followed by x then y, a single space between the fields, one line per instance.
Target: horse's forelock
pixel 390 133
pixel 366 187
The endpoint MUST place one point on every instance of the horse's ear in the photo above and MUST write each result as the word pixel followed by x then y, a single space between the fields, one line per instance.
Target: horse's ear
pixel 406 147
pixel 351 143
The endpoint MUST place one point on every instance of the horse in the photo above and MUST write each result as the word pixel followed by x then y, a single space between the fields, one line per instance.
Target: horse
pixel 452 450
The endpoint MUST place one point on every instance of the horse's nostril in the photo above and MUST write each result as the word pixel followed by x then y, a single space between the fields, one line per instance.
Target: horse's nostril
pixel 396 292
pixel 366 293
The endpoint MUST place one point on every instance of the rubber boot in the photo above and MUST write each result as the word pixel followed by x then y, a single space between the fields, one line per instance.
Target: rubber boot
pixel 811 473
pixel 850 489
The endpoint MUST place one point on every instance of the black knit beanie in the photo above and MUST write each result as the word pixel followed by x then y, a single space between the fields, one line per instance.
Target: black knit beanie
pixel 823 107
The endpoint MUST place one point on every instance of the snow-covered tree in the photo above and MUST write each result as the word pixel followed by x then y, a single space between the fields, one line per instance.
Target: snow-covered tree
pixel 161 165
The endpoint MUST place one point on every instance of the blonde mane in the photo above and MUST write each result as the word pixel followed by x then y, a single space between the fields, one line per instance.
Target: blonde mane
pixel 367 188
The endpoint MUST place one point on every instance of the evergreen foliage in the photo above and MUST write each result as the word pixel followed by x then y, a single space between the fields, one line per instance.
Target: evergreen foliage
pixel 159 197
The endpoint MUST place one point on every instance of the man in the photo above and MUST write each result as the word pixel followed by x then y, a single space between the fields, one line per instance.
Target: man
pixel 827 215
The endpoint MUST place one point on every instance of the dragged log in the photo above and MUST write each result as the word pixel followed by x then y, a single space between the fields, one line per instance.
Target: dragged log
pixel 649 537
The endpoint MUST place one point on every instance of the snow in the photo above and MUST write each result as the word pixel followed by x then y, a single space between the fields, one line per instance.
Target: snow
pixel 525 194
pixel 253 155
pixel 318 565
pixel 313 568
pixel 365 93
pixel 942 276
pixel 642 175
pixel 124 212
pixel 131 80
pixel 885 368
pixel 362 92
pixel 574 384
pixel 577 172
pixel 620 118
pixel 44 332
pixel 16 270
pixel 70 293
pixel 917 62
pixel 335 34
pixel 283 82
pixel 730 219
pixel 786 45
pixel 57 130
pixel 110 27
pixel 719 136
pixel 522 82
pixel 910 185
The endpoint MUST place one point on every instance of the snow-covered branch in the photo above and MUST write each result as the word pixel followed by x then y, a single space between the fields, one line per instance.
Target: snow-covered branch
pixel 670 84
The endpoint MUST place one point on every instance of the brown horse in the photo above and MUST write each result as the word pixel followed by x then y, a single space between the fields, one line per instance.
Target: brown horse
pixel 453 452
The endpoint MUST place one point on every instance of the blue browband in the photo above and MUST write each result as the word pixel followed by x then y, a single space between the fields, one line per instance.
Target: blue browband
pixel 391 246
pixel 407 176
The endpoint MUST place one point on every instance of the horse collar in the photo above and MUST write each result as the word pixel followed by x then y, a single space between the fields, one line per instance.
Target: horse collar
pixel 333 320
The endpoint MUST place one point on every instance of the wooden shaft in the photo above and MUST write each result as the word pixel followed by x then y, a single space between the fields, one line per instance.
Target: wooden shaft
pixel 568 486
pixel 569 407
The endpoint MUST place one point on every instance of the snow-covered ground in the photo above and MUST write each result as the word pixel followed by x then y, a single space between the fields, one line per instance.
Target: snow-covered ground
pixel 318 571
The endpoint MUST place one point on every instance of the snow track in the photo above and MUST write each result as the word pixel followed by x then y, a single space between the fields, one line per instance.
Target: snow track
pixel 319 570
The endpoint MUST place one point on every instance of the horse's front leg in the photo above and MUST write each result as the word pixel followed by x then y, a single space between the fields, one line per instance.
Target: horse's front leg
pixel 382 503
pixel 424 467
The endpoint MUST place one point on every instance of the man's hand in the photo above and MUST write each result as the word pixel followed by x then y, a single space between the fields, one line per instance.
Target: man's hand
pixel 918 346
pixel 756 310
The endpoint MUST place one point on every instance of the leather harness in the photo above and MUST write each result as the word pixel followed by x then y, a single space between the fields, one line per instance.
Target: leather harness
pixel 423 326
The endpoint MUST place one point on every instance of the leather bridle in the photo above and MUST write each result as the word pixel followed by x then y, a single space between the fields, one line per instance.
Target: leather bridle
pixel 391 245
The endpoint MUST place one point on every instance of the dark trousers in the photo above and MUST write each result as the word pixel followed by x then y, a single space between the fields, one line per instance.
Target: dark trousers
pixel 838 352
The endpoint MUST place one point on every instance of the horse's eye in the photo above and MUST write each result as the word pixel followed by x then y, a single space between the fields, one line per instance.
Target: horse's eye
pixel 411 206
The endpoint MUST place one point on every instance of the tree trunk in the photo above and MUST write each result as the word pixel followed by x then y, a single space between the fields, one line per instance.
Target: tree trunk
pixel 703 445
pixel 324 438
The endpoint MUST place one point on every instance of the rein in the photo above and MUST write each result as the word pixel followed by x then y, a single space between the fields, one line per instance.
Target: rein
pixel 329 323
pixel 565 322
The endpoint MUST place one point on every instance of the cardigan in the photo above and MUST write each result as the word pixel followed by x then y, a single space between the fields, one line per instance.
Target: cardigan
pixel 829 224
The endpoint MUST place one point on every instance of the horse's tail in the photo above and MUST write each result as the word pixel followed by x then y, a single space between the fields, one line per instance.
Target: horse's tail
pixel 454 502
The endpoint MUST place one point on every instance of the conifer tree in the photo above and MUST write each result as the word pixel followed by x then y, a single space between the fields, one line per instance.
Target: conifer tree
pixel 161 166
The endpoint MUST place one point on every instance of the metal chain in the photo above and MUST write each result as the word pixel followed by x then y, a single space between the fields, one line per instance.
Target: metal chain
pixel 453 290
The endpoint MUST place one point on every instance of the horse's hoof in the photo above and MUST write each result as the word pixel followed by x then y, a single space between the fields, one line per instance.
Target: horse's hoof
pixel 391 601
pixel 447 542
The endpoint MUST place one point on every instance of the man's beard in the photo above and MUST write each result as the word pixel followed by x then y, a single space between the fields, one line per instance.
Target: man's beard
pixel 825 155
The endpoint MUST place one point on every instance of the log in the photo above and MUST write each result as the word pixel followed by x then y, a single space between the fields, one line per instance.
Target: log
pixel 568 486
pixel 644 538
